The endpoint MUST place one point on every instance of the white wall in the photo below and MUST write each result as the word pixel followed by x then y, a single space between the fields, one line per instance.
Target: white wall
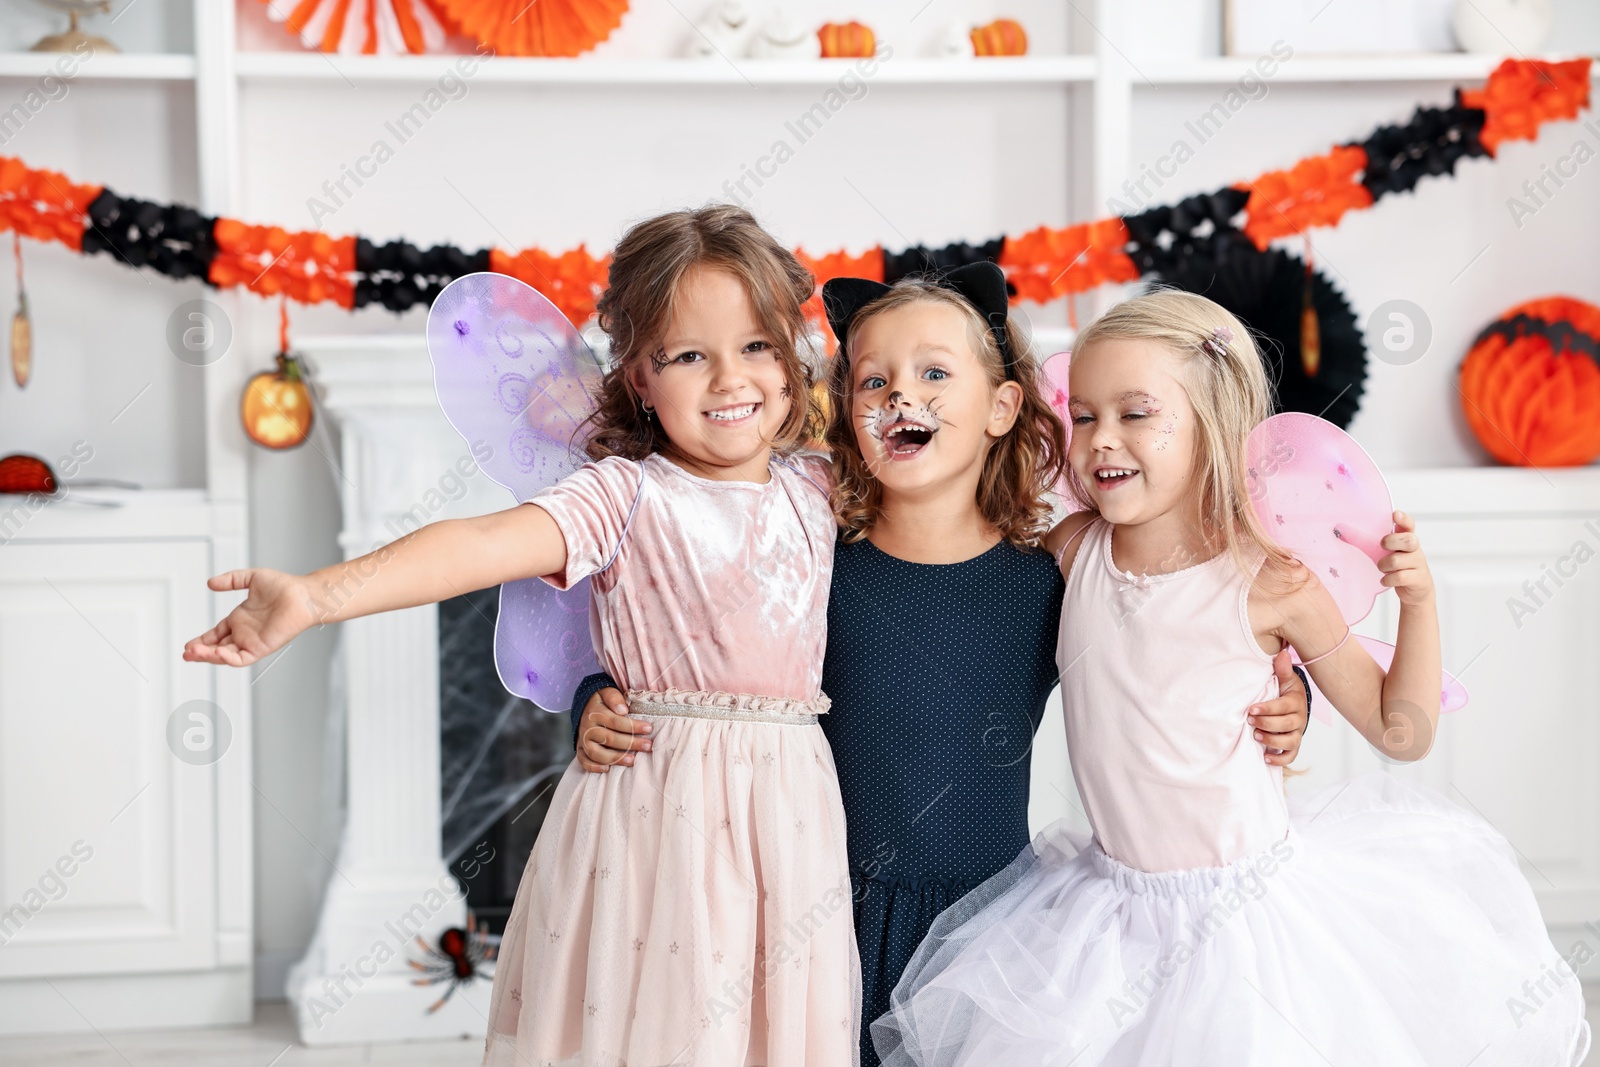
pixel 519 165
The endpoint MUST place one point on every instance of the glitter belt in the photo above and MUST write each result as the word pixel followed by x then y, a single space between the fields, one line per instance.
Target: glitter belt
pixel 732 707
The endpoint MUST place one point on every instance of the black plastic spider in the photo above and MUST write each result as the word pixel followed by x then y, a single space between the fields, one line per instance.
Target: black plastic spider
pixel 458 959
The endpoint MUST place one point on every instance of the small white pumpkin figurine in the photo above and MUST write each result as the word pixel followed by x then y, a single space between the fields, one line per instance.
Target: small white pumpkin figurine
pixel 721 30
pixel 1495 26
pixel 783 37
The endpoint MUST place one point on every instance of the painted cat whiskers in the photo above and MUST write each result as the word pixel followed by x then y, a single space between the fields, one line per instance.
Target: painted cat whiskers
pixel 899 409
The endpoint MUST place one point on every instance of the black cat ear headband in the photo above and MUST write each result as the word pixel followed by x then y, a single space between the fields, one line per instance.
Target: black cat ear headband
pixel 983 285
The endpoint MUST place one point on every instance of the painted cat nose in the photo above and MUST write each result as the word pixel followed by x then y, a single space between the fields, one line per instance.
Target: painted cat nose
pixel 897 397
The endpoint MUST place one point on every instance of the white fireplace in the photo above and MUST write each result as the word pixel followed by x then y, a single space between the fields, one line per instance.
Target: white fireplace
pixel 401 465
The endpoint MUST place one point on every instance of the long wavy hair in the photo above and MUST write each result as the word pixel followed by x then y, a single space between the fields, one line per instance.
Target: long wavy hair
pixel 1228 388
pixel 1019 469
pixel 647 271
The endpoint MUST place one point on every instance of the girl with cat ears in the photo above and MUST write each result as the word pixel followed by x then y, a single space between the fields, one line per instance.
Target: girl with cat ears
pixel 1024 454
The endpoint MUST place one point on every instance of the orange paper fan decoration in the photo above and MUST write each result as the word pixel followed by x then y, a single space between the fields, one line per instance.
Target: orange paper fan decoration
pixel 1530 387
pixel 1316 191
pixel 1522 94
pixel 571 280
pixel 309 267
pixel 42 204
pixel 363 27
pixel 1044 264
pixel 545 28
pixel 868 264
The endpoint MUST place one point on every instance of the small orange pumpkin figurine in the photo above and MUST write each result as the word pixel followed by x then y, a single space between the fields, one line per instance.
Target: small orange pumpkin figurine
pixel 847 40
pixel 1002 37
pixel 1530 387
pixel 276 406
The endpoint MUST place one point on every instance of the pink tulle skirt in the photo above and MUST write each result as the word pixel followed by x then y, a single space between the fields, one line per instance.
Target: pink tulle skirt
pixel 691 909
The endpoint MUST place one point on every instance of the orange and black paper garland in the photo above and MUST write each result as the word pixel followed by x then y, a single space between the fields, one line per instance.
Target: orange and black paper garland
pixel 1216 243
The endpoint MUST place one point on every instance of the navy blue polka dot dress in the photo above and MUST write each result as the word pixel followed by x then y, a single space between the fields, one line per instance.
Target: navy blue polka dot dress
pixel 938 675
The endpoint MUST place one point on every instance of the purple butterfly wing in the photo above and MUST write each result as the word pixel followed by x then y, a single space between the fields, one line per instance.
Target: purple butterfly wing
pixel 517 381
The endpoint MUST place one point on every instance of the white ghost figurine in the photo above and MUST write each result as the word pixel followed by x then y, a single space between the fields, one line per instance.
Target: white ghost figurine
pixel 721 30
pixel 956 41
pixel 782 37
pixel 1494 26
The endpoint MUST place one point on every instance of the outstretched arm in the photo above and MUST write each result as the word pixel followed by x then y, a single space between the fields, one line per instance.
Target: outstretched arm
pixel 438 561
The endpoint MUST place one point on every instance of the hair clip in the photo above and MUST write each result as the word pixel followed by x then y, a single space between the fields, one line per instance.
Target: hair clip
pixel 1217 343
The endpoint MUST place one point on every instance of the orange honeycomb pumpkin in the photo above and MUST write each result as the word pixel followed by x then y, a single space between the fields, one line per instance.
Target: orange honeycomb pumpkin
pixel 1530 386
pixel 1002 37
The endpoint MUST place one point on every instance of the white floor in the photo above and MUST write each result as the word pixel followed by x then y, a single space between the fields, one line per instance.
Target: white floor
pixel 270 1042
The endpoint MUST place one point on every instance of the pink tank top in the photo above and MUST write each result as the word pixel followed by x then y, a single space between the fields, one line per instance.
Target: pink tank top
pixel 1157 676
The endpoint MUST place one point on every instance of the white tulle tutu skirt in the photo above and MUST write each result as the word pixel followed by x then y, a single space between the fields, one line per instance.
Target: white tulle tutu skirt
pixel 1390 927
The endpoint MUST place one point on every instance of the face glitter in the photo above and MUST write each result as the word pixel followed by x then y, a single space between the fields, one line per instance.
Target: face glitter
pixel 1165 433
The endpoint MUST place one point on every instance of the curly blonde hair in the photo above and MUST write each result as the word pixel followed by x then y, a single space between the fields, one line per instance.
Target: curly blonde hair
pixel 1019 469
pixel 647 271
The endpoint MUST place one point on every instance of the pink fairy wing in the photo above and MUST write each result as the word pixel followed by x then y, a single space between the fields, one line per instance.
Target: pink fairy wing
pixel 1053 384
pixel 517 381
pixel 1452 694
pixel 1319 495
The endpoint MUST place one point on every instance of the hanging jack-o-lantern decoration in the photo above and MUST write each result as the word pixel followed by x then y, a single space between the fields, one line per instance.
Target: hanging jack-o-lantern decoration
pixel 847 40
pixel 276 406
pixel 21 326
pixel 1530 386
pixel 1002 37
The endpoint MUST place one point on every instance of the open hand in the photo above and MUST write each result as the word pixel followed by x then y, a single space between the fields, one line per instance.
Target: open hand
pixel 1405 568
pixel 275 611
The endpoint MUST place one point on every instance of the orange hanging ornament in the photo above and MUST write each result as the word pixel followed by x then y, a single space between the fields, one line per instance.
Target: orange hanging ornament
pixel 276 406
pixel 21 325
pixel 1310 331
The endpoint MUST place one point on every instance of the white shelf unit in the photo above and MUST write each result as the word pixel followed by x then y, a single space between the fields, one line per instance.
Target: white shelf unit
pixel 115 67
pixel 1461 67
pixel 1103 81
pixel 1025 70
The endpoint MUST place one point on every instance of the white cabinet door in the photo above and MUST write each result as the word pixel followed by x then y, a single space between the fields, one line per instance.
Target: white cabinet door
pixel 1519 617
pixel 107 837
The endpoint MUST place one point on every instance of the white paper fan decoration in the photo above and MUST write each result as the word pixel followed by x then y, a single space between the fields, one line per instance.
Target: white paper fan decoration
pixel 362 27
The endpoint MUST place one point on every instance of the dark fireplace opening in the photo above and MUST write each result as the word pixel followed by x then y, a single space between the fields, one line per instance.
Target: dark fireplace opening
pixel 500 758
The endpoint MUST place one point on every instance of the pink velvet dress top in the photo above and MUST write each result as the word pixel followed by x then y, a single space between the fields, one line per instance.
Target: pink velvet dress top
pixel 693 908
